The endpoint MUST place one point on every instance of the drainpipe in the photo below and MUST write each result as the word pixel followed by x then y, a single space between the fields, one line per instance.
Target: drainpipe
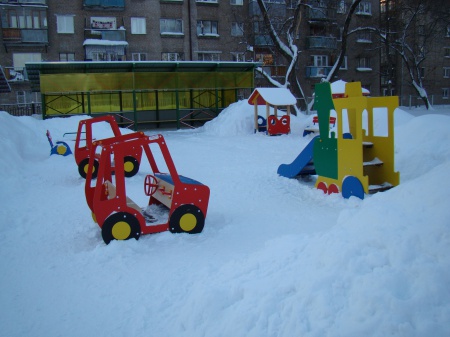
pixel 190 30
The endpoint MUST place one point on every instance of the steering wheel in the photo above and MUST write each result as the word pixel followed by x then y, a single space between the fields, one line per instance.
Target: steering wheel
pixel 150 185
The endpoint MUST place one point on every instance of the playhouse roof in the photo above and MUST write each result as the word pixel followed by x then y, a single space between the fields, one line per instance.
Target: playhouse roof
pixel 273 96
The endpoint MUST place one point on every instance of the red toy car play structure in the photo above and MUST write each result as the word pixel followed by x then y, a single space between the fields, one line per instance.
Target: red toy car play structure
pixel 176 203
pixel 83 147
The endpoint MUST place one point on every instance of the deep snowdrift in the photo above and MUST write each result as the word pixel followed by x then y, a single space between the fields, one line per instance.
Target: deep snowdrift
pixel 276 258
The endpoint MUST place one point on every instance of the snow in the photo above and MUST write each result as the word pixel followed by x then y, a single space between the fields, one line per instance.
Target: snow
pixel 276 258
pixel 274 96
pixel 338 87
pixel 97 42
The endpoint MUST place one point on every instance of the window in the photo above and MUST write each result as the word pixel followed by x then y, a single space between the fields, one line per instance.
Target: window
pixel 67 57
pixel 319 60
pixel 64 24
pixel 237 2
pixel 237 29
pixel 364 8
pixel 21 97
pixel 209 56
pixel 364 37
pixel 172 57
pixel 341 7
pixel 139 56
pixel 27 17
pixel 363 64
pixel 208 1
pixel 447 52
pixel 422 72
pixel 446 72
pixel 19 59
pixel 448 31
pixel 171 26
pixel 138 26
pixel 207 28
pixel 238 57
pixel 344 65
pixel 445 93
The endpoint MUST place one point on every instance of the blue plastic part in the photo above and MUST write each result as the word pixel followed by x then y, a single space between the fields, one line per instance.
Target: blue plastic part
pixel 351 186
pixel 58 145
pixel 168 178
pixel 262 124
pixel 303 159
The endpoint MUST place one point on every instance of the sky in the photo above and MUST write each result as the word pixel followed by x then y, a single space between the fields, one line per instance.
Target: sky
pixel 277 257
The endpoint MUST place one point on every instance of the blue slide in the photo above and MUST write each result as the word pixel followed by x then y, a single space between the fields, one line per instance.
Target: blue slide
pixel 302 165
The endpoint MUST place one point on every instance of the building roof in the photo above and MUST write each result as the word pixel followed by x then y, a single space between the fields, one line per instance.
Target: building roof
pixel 35 69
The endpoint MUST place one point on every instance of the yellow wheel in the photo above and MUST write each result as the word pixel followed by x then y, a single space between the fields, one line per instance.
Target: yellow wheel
pixel 187 219
pixel 120 226
pixel 83 168
pixel 130 166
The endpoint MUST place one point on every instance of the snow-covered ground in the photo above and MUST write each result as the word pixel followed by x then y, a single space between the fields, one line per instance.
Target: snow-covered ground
pixel 276 257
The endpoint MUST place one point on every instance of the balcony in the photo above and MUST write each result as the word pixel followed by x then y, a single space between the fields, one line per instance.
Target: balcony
pixel 25 36
pixel 20 2
pixel 273 71
pixel 104 4
pixel 15 74
pixel 263 40
pixel 317 72
pixel 105 34
pixel 321 42
pixel 322 14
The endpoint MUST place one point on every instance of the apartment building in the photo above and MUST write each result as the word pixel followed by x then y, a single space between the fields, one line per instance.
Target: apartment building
pixel 189 30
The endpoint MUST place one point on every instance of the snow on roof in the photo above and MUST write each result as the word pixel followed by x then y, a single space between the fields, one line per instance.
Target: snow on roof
pixel 97 42
pixel 338 87
pixel 273 96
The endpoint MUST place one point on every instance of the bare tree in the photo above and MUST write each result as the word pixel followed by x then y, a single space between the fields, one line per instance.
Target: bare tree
pixel 418 25
pixel 287 46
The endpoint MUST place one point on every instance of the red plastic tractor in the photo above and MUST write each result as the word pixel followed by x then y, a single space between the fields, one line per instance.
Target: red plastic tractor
pixel 83 147
pixel 176 203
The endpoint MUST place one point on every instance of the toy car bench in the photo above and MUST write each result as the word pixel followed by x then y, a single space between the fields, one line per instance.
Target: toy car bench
pixel 176 203
pixel 83 147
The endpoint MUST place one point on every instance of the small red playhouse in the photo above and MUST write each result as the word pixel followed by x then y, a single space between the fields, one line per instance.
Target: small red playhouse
pixel 275 98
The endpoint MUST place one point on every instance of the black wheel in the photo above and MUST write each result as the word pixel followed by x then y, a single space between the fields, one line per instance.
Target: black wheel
pixel 187 219
pixel 120 226
pixel 130 166
pixel 84 166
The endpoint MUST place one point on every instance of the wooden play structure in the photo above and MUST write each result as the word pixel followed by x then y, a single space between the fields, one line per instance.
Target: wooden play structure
pixel 357 159
pixel 272 98
pixel 176 203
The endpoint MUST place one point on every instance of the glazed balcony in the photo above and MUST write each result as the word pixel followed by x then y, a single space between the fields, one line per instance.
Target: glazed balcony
pixel 322 14
pixel 20 2
pixel 15 74
pixel 21 36
pixel 321 42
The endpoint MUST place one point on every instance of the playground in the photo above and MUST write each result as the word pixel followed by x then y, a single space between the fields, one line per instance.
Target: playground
pixel 276 257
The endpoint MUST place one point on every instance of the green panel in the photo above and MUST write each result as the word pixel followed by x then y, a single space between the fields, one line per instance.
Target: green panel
pixel 86 82
pixel 146 100
pixel 105 102
pixel 326 157
pixel 147 81
pixel 63 104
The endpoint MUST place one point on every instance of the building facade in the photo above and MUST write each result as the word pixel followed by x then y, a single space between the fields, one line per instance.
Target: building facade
pixel 199 30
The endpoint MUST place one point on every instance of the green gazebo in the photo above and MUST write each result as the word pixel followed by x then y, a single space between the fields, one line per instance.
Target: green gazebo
pixel 181 93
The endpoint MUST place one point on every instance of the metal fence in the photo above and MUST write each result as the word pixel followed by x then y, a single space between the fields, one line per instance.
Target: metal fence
pixel 27 109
